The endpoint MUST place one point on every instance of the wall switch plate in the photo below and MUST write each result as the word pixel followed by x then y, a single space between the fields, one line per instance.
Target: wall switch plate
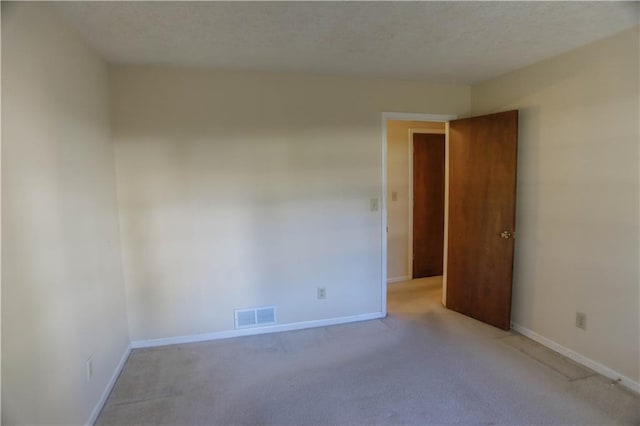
pixel 322 293
pixel 89 368
pixel 581 320
pixel 373 205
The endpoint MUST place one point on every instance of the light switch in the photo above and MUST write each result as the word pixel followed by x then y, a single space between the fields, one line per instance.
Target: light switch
pixel 394 196
pixel 373 204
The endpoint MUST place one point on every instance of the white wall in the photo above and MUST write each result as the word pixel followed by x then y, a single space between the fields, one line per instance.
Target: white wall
pixel 248 189
pixel 62 284
pixel 577 212
pixel 398 181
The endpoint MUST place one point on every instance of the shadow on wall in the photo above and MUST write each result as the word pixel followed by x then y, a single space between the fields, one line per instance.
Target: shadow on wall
pixel 209 226
pixel 527 208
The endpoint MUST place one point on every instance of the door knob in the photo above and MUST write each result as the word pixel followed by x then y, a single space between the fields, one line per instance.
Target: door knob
pixel 506 235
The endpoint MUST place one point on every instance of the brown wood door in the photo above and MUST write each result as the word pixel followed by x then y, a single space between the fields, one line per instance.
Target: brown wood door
pixel 482 201
pixel 428 204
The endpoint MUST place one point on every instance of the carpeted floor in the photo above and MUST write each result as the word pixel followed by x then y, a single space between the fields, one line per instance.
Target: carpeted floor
pixel 420 365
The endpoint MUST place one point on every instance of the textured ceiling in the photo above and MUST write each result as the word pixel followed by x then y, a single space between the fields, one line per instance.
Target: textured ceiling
pixel 457 42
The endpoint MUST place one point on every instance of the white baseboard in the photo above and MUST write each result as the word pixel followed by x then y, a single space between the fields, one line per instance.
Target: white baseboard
pixel 580 359
pixel 398 279
pixel 253 331
pixel 107 390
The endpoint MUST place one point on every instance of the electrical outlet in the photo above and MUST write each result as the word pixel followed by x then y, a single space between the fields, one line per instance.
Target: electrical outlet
pixel 581 320
pixel 322 293
pixel 89 368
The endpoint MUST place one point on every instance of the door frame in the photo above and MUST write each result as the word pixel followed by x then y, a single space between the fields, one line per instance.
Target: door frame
pixel 408 116
pixel 446 193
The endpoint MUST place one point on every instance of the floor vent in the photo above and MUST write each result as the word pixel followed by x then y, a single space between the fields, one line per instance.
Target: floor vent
pixel 255 317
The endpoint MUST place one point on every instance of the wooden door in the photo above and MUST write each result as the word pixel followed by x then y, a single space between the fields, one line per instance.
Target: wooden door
pixel 428 204
pixel 482 201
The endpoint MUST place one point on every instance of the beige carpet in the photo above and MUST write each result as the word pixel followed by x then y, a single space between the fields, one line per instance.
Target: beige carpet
pixel 420 365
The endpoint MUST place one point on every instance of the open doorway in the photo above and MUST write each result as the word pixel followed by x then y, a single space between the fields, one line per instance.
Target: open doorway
pixel 476 253
pixel 399 132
